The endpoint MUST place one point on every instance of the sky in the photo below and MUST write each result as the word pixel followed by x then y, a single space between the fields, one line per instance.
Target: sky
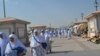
pixel 56 13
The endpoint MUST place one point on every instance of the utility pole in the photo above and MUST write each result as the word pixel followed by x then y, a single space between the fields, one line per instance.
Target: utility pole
pixel 50 25
pixel 4 11
pixel 82 15
pixel 96 5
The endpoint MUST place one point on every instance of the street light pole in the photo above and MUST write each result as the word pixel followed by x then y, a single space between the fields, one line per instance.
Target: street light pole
pixel 96 5
pixel 4 11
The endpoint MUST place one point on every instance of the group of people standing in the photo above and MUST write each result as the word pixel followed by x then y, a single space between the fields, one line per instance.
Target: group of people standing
pixel 11 45
pixel 40 42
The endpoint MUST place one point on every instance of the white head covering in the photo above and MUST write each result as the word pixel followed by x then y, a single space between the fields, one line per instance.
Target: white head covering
pixel 17 40
pixel 4 36
pixel 35 31
pixel 17 43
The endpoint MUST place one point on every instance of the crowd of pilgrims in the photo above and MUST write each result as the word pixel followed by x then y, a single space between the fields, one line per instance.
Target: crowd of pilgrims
pixel 40 42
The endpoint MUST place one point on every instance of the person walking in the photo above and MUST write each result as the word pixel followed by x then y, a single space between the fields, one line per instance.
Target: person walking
pixel 36 47
pixel 48 41
pixel 42 39
pixel 69 34
pixel 3 43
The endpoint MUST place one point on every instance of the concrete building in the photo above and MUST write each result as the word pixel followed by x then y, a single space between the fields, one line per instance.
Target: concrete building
pixel 93 24
pixel 10 24
pixel 38 27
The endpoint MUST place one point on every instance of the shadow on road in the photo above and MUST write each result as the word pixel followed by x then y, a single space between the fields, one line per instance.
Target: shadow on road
pixel 56 46
pixel 55 52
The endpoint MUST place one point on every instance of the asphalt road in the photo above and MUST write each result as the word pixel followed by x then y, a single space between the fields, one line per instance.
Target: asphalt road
pixel 76 53
pixel 72 47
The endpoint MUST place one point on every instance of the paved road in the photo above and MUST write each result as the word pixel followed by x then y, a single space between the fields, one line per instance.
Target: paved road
pixel 77 53
pixel 73 47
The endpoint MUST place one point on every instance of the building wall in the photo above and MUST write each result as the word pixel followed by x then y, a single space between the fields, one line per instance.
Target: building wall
pixel 98 21
pixel 20 25
pixel 21 32
pixel 6 28
pixel 92 27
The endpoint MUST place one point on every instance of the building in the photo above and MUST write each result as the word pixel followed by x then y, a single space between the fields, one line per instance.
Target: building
pixel 10 24
pixel 93 24
pixel 41 27
pixel 80 27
